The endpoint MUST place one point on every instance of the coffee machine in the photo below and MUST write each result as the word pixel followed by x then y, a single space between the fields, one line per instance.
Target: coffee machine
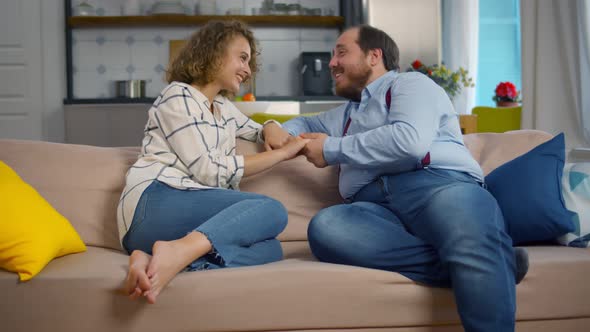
pixel 316 79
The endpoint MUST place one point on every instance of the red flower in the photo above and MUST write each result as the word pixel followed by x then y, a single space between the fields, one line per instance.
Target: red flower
pixel 506 89
pixel 416 64
pixel 429 72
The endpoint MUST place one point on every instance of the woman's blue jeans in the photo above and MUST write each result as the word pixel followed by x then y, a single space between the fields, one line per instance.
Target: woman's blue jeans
pixel 437 227
pixel 242 227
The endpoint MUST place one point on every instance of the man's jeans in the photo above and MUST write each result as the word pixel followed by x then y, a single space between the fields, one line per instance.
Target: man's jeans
pixel 241 226
pixel 437 227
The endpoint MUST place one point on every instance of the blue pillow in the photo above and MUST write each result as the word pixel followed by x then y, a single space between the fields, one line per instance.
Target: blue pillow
pixel 575 188
pixel 528 191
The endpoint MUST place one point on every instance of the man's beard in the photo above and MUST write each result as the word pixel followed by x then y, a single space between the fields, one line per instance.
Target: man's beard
pixel 358 81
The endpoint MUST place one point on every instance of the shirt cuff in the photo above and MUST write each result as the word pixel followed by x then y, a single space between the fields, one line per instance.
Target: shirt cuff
pixel 238 171
pixel 332 150
pixel 290 129
pixel 261 131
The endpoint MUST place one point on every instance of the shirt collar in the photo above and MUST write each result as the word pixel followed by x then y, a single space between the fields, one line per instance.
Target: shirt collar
pixel 375 86
pixel 200 97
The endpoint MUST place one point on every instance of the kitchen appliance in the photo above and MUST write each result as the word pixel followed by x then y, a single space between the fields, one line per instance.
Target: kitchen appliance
pixel 130 88
pixel 316 79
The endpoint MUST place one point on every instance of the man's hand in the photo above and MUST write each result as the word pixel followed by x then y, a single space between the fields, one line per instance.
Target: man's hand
pixel 275 137
pixel 314 150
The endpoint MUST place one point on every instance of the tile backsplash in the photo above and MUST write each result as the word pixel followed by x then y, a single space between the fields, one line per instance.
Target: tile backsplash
pixel 101 56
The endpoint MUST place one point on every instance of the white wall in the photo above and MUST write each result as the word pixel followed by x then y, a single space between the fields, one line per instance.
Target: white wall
pixel 414 25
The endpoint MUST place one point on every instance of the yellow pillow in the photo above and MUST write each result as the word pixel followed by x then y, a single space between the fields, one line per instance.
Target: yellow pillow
pixel 32 232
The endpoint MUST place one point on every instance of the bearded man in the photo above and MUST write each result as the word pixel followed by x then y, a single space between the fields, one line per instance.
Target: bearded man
pixel 415 199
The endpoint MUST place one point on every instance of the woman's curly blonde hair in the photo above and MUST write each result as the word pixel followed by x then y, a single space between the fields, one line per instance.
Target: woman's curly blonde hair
pixel 200 59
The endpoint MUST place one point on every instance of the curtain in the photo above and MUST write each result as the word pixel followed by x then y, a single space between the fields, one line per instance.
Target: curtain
pixel 556 68
pixel 573 21
pixel 584 89
pixel 460 45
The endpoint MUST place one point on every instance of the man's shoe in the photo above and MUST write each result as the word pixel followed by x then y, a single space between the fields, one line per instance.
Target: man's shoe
pixel 522 263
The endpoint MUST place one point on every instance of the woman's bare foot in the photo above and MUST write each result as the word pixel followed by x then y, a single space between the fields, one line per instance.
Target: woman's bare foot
pixel 171 257
pixel 137 281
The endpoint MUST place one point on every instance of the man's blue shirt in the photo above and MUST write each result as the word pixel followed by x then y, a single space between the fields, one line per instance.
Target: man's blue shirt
pixel 382 140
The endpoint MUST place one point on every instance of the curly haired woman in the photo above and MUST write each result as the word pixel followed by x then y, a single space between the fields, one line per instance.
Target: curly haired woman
pixel 181 208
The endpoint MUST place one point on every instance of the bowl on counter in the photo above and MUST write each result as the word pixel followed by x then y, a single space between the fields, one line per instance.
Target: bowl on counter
pixel 273 107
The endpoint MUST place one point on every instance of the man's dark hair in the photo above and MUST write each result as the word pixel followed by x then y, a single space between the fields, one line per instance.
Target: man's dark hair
pixel 372 38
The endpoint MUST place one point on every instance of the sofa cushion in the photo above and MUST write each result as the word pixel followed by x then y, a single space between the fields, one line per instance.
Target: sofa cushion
pixel 79 293
pixel 33 233
pixel 575 187
pixel 528 191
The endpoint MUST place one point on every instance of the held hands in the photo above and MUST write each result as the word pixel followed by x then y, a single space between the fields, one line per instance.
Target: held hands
pixel 309 144
pixel 275 137
pixel 293 147
pixel 314 149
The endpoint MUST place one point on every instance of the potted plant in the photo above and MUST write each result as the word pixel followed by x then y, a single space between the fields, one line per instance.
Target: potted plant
pixel 506 116
pixel 450 81
pixel 506 95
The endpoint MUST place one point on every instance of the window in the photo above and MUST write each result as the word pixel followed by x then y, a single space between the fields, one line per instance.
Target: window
pixel 499 48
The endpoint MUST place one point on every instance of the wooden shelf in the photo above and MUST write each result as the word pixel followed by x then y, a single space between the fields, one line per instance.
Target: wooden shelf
pixel 187 20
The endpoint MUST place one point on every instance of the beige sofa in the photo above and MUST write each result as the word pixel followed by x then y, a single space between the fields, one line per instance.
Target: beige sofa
pixel 79 292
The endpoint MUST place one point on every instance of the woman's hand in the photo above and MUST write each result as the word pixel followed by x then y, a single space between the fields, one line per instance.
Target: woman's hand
pixel 275 137
pixel 293 147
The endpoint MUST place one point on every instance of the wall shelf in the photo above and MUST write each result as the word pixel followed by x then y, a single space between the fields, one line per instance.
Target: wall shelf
pixel 188 20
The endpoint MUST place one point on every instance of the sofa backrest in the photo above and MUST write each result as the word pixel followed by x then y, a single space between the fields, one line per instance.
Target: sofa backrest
pixel 84 182
pixel 491 150
pixel 81 182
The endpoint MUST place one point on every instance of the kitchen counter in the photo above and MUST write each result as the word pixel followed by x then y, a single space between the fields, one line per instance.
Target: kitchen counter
pixel 287 107
pixel 122 123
